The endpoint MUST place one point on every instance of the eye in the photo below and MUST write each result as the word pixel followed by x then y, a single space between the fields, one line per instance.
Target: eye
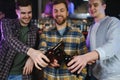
pixel 29 12
pixel 95 5
pixel 62 10
pixel 22 12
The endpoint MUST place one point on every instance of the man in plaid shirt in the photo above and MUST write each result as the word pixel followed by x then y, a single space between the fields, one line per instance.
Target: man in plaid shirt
pixel 73 39
pixel 17 51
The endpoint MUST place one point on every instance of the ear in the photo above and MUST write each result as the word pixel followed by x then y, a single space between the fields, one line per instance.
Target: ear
pixel 16 11
pixel 104 5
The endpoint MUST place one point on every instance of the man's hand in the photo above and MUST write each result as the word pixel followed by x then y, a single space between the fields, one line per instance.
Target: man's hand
pixel 91 62
pixel 77 64
pixel 80 61
pixel 39 59
pixel 28 66
pixel 54 63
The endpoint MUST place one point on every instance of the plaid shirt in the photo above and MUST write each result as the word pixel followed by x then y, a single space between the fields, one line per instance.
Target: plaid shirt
pixel 11 45
pixel 74 42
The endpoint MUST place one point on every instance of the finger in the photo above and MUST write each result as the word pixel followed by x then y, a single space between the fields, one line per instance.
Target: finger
pixel 71 62
pixel 80 69
pixel 42 63
pixel 54 65
pixel 28 71
pixel 24 70
pixel 37 66
pixel 74 65
pixel 89 63
pixel 45 58
pixel 56 62
pixel 76 68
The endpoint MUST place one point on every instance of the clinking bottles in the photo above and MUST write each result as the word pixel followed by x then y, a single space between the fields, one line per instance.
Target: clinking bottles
pixel 51 52
pixel 58 53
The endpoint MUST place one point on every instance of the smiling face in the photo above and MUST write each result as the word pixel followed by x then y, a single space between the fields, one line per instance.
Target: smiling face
pixel 24 15
pixel 60 13
pixel 96 8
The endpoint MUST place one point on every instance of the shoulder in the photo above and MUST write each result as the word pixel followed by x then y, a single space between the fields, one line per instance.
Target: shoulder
pixel 112 22
pixel 113 19
pixel 10 21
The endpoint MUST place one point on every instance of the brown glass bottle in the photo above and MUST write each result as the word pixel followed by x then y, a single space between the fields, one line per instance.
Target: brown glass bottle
pixel 58 53
pixel 51 53
pixel 68 58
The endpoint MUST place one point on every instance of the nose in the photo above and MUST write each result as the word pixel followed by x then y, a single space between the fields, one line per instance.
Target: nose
pixel 58 13
pixel 27 15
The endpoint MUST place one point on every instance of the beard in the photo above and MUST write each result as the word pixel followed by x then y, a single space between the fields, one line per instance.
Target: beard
pixel 60 21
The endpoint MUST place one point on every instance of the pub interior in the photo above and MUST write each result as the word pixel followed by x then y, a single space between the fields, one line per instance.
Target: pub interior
pixel 80 18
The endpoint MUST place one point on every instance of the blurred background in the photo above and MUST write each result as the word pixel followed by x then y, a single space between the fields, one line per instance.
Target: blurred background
pixel 80 7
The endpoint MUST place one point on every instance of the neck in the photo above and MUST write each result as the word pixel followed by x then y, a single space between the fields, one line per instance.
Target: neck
pixel 23 24
pixel 59 27
pixel 97 19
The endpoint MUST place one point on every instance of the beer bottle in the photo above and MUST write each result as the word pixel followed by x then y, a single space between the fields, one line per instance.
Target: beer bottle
pixel 68 58
pixel 51 52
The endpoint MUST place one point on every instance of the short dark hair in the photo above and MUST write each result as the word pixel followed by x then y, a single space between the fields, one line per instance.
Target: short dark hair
pixel 60 1
pixel 22 3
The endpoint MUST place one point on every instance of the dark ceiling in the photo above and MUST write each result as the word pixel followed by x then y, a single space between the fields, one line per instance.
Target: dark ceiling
pixel 113 7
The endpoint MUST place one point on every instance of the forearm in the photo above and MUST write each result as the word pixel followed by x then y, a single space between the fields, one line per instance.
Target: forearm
pixel 91 56
pixel 30 51
pixel 18 45
pixel 12 38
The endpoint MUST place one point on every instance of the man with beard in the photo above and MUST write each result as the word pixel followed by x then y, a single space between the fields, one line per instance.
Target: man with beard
pixel 74 44
pixel 17 51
